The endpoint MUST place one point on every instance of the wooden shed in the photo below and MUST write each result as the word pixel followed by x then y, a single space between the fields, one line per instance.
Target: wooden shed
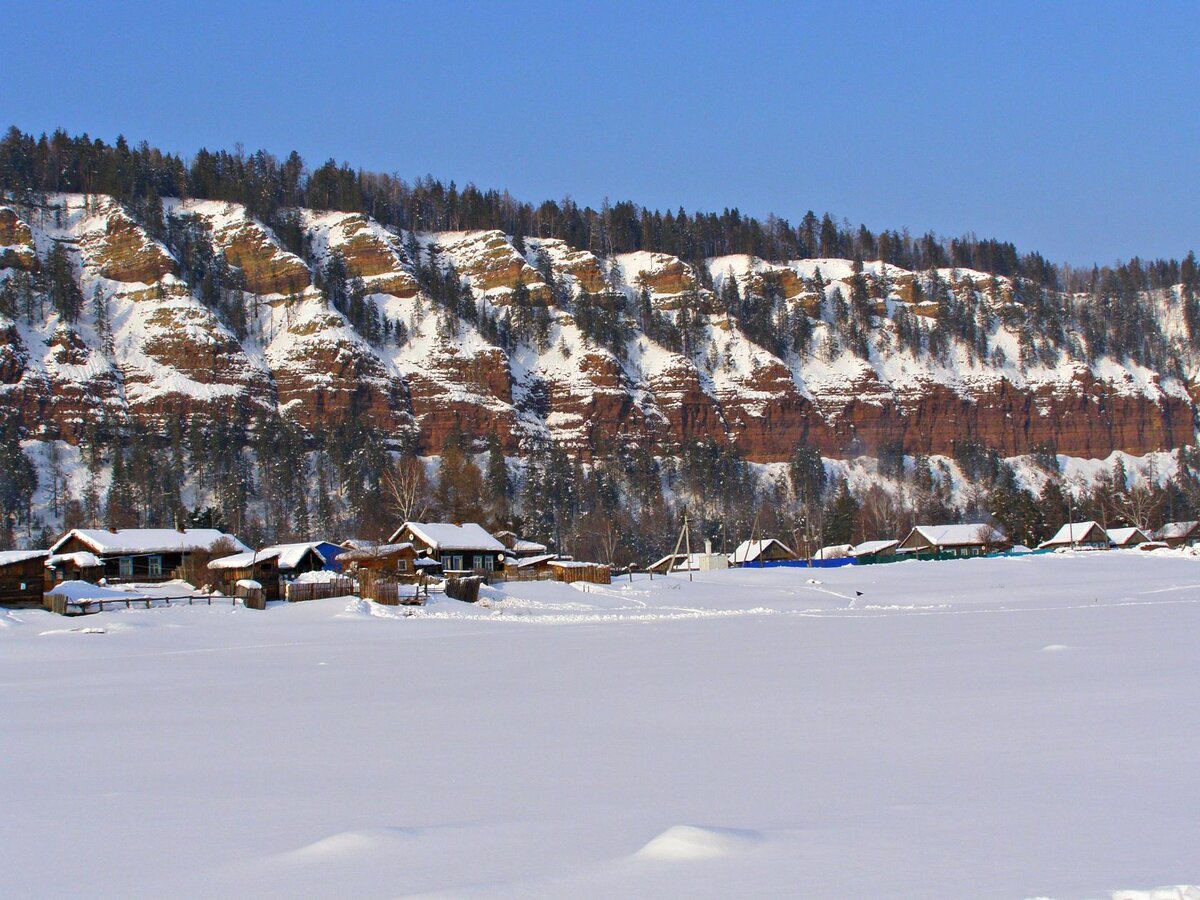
pixel 272 567
pixel 1179 534
pixel 22 577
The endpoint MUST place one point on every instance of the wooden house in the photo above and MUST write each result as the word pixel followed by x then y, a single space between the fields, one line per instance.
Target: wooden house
pixel 272 567
pixel 753 553
pixel 459 549
pixel 1125 538
pixel 22 577
pixel 148 554
pixel 1079 535
pixel 391 559
pixel 953 540
pixel 1179 534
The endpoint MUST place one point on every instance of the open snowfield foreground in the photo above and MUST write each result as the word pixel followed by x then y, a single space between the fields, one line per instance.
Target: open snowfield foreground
pixel 1005 728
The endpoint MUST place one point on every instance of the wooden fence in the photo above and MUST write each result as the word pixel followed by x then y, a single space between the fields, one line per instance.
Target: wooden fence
pixel 392 590
pixel 341 586
pixel 593 573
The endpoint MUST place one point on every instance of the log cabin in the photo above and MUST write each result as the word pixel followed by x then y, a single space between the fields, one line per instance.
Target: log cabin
pixel 953 540
pixel 148 554
pixel 22 577
pixel 459 549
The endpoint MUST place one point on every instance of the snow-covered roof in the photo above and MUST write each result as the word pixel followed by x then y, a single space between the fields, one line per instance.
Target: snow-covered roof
pixel 834 551
pixel 530 560
pixel 748 551
pixel 524 546
pixel 575 564
pixel 866 548
pixel 147 540
pixel 81 558
pixel 363 550
pixel 83 590
pixel 1073 532
pixel 679 562
pixel 1122 536
pixel 288 555
pixel 249 584
pixel 1176 530
pixel 444 536
pixel 8 557
pixel 969 534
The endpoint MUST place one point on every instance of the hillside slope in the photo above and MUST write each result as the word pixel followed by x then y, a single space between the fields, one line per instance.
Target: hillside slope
pixel 420 335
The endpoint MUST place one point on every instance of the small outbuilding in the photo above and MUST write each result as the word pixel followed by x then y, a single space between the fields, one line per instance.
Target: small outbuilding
pixel 751 553
pixel 1080 536
pixel 1124 538
pixel 22 577
pixel 271 567
pixel 874 551
pixel 81 565
pixel 1179 534
pixel 518 547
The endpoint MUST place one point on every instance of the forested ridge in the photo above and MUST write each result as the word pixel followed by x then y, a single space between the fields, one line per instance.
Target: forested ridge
pixel 141 175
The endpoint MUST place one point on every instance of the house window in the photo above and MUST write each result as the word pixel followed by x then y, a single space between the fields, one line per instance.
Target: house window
pixel 489 563
pixel 478 562
pixel 125 567
pixel 156 567
pixel 402 565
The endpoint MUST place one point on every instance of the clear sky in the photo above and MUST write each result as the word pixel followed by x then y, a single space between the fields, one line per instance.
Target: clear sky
pixel 1072 128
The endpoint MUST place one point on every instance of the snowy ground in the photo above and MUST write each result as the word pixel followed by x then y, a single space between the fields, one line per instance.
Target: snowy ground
pixel 987 728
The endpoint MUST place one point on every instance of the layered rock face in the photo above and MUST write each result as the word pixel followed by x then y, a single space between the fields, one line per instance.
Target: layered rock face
pixel 145 348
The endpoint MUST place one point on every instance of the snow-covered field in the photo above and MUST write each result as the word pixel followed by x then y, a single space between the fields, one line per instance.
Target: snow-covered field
pixel 1001 728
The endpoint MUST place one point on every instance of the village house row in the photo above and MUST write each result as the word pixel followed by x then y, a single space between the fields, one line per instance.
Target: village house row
pixel 216 562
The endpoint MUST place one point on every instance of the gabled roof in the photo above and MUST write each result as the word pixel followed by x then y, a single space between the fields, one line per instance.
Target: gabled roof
pixel 442 536
pixel 748 551
pixel 1123 536
pixel 1078 533
pixel 523 546
pixel 364 551
pixel 8 557
pixel 288 555
pixel 1176 530
pixel 147 540
pixel 679 562
pixel 866 548
pixel 81 558
pixel 971 534
pixel 527 561
pixel 834 551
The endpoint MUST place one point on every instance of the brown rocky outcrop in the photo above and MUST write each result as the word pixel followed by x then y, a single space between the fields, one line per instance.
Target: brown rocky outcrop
pixel 469 392
pixel 580 265
pixel 372 258
pixel 122 251
pixel 16 242
pixel 491 264
pixel 268 268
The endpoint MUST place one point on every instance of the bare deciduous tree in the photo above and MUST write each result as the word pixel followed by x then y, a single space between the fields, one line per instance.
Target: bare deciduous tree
pixel 406 488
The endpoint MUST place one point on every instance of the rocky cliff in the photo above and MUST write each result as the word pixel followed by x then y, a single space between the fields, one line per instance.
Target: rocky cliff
pixel 577 357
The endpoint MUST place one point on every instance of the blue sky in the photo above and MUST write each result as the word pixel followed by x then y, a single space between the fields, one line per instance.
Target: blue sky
pixel 1070 128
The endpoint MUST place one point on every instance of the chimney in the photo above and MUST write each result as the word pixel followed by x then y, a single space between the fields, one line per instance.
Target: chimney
pixel 707 548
